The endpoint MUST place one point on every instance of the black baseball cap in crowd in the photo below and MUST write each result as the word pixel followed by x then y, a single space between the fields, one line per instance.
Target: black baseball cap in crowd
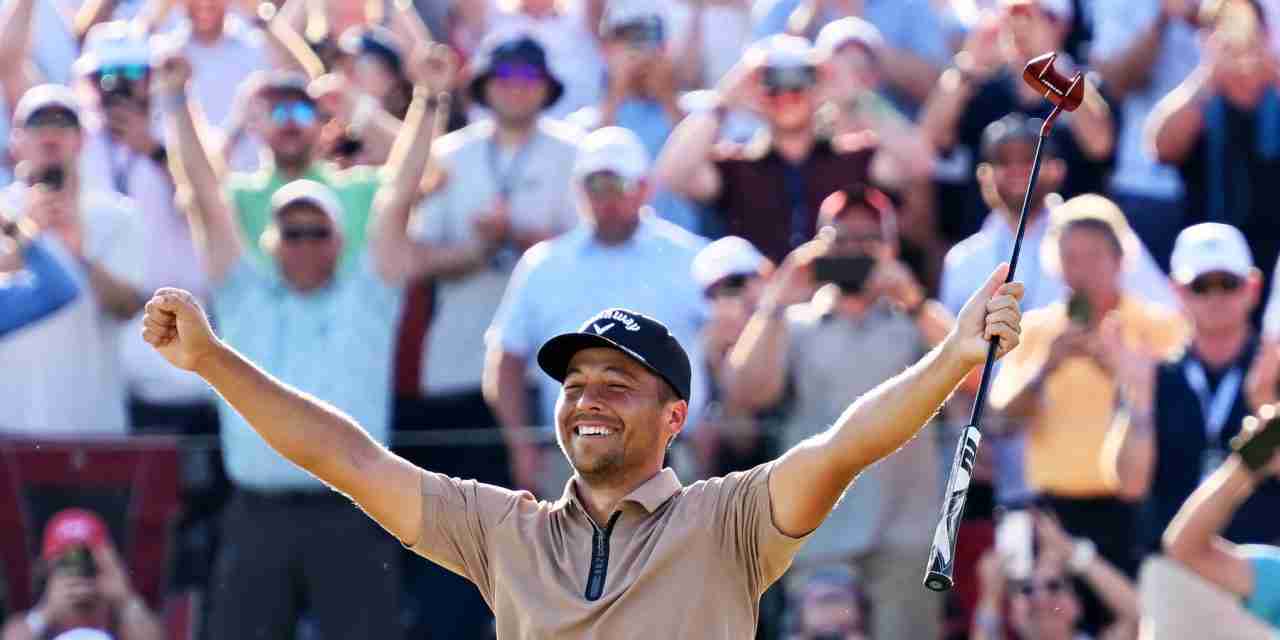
pixel 1014 127
pixel 507 49
pixel 646 340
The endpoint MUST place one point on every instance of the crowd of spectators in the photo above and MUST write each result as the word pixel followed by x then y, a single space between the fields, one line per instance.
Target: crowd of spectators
pixel 391 204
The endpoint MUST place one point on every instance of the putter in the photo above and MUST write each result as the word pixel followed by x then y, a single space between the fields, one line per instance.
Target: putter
pixel 1066 94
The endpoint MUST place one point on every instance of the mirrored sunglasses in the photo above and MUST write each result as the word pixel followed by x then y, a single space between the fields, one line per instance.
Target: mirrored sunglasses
pixel 300 233
pixel 301 113
pixel 132 72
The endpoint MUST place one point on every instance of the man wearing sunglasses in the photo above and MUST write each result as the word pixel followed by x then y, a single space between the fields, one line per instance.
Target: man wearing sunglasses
pixel 623 254
pixel 842 307
pixel 96 237
pixel 768 191
pixel 124 152
pixel 321 323
pixel 1196 404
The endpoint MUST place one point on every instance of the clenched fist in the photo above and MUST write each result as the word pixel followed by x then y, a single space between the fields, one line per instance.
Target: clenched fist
pixel 992 312
pixel 178 328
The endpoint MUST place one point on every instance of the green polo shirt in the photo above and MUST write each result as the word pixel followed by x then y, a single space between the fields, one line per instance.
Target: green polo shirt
pixel 250 195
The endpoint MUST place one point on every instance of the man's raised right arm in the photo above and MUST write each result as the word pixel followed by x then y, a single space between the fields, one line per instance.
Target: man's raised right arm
pixel 302 428
pixel 196 179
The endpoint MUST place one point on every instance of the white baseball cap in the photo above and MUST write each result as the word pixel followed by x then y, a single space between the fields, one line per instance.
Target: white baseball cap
pixel 784 51
pixel 619 13
pixel 1209 247
pixel 83 634
pixel 848 30
pixel 612 149
pixel 110 44
pixel 308 192
pixel 728 256
pixel 43 97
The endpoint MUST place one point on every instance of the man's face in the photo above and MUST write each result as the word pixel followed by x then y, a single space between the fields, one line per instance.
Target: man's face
pixel 854 69
pixel 611 419
pixel 1028 31
pixel 1091 264
pixel 517 91
pixel 129 84
pixel 292 128
pixel 1246 76
pixel 309 247
pixel 1010 169
pixel 207 15
pixel 790 97
pixel 1219 300
pixel 49 137
pixel 1044 607
pixel 614 205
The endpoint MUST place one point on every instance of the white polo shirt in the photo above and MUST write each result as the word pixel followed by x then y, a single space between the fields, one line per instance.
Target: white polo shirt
pixel 560 284
pixel 62 376
pixel 539 199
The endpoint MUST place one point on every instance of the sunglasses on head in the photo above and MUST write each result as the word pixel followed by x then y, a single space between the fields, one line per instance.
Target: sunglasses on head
pixel 1052 586
pixel 1210 282
pixel 131 72
pixel 296 111
pixel 518 71
pixel 780 80
pixel 605 183
pixel 299 233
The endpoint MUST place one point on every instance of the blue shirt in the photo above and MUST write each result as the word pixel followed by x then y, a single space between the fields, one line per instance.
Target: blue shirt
pixel 336 343
pixel 37 291
pixel 1264 602
pixel 560 284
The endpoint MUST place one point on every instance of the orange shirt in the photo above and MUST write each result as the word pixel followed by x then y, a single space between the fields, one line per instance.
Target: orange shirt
pixel 1065 438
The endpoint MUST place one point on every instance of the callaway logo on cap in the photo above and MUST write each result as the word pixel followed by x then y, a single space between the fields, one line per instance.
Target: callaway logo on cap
pixel 644 339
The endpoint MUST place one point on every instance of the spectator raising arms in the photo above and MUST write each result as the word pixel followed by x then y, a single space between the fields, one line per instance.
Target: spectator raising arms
pixel 301 303
pixel 37 291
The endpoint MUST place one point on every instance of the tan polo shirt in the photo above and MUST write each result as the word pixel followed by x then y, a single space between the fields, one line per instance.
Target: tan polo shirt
pixel 672 562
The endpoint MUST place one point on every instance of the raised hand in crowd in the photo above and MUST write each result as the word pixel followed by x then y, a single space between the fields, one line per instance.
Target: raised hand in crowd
pixel 1264 376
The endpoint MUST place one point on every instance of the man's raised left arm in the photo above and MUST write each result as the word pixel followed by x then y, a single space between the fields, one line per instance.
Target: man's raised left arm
pixel 808 480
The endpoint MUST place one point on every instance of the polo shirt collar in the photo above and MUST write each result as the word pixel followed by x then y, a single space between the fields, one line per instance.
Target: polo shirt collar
pixel 652 494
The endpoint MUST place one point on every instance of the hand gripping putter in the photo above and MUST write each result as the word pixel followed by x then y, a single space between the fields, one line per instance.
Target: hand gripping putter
pixel 1066 94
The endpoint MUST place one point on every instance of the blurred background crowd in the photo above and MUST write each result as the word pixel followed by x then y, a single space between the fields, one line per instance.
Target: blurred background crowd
pixel 392 203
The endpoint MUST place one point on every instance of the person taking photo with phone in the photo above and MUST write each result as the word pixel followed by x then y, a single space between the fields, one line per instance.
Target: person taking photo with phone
pixel 867 320
pixel 1064 387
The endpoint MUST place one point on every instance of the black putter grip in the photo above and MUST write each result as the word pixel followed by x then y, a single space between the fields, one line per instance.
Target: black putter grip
pixel 1255 449
pixel 942 554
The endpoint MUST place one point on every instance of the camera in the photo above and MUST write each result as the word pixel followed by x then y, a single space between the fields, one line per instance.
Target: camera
pixel 849 272
pixel 348 146
pixel 1079 309
pixel 51 177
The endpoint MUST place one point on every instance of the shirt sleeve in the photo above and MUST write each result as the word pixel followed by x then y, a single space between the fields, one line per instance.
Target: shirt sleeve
pixel 1264 600
pixel 743 512
pixel 458 516
pixel 1019 365
pixel 42 289
pixel 512 329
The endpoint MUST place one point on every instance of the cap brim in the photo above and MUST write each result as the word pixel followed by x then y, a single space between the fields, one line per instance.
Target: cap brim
pixel 555 354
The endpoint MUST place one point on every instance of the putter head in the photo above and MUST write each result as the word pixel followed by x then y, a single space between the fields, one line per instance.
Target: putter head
pixel 1062 91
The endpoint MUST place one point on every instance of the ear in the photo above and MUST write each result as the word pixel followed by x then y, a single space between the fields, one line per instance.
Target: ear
pixel 676 414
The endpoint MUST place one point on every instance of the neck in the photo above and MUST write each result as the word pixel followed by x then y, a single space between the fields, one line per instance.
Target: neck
pixel 1219 348
pixel 601 498
pixel 794 145
pixel 293 170
pixel 511 133
pixel 853 306
pixel 1104 303
pixel 616 236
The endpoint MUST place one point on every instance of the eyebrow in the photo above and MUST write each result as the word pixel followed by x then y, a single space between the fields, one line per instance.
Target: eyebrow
pixel 607 369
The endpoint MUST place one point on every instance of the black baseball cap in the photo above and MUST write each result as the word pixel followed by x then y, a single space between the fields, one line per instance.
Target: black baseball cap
pixel 646 340
pixel 1014 127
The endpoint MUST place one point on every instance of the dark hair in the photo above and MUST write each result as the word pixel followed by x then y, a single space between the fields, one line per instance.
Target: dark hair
pixel 1100 226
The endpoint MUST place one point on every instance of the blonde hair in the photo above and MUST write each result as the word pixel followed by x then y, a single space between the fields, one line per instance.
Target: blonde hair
pixel 1090 210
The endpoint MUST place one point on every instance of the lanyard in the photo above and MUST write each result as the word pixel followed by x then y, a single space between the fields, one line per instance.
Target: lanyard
pixel 1216 409
pixel 120 175
pixel 506 180
pixel 795 188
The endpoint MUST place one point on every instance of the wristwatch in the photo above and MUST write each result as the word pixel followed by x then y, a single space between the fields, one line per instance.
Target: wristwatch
pixel 1082 555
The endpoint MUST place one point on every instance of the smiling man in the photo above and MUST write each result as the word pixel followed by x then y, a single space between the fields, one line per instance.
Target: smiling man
pixel 627 552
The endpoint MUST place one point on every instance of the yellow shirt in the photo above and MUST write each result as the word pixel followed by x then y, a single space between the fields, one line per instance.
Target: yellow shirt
pixel 1065 438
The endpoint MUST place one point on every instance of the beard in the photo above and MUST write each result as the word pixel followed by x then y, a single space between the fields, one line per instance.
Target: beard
pixel 595 466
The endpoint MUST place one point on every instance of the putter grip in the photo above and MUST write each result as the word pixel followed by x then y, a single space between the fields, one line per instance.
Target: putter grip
pixel 942 555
